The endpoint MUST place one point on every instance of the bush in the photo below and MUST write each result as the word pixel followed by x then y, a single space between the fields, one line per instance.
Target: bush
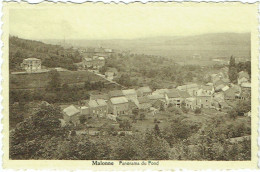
pixel 197 111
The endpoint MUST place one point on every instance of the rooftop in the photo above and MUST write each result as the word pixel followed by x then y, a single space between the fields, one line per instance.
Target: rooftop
pixel 31 59
pixel 116 93
pixel 71 110
pixel 246 85
pixel 145 89
pixel 143 99
pixel 156 96
pixel 118 100
pixel 187 86
pixel 93 103
pixel 129 92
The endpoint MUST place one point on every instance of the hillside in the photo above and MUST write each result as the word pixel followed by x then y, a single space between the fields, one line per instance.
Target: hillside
pixel 208 46
pixel 51 55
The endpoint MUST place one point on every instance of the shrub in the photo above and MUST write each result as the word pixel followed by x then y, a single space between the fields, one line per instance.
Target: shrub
pixel 197 111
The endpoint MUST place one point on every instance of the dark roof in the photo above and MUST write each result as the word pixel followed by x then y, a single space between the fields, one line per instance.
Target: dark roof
pixel 143 99
pixel 115 93
pixel 184 94
pixel 230 92
pixel 173 94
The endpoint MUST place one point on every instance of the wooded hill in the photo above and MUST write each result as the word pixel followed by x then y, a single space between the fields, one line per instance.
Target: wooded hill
pixel 51 55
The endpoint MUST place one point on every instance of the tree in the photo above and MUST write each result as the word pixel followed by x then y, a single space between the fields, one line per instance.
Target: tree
pixel 125 125
pixel 30 136
pixel 55 82
pixel 157 130
pixel 82 119
pixel 232 70
pixel 197 111
pixel 142 116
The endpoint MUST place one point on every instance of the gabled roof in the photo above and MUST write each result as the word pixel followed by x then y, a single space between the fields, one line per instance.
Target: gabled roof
pixel 161 91
pixel 225 88
pixel 129 92
pixel 145 89
pixel 101 102
pixel 118 100
pixel 230 92
pixel 203 93
pixel 243 74
pixel 184 94
pixel 93 103
pixel 187 86
pixel 143 100
pixel 246 85
pixel 173 94
pixel 97 103
pixel 156 96
pixel 71 110
pixel 116 93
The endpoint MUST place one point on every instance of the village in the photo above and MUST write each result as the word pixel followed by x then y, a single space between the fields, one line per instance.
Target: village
pixel 126 104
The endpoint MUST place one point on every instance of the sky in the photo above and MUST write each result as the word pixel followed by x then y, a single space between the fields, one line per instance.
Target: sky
pixel 127 21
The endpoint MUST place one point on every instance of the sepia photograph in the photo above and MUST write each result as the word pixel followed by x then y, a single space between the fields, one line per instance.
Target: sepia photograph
pixel 131 82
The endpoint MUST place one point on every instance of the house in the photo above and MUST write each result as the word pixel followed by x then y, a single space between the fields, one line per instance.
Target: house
pixel 98 108
pixel 155 97
pixel 71 115
pixel 203 99
pixel 115 93
pixel 246 86
pixel 190 103
pixel 245 91
pixel 243 77
pixel 98 62
pixel 84 110
pixel 118 106
pixel 95 62
pixel 190 88
pixel 31 64
pixel 144 102
pixel 144 91
pixel 87 62
pixel 130 94
pixel 230 94
pixel 133 105
pixel 111 73
pixel 208 88
pixel 173 97
pixel 161 91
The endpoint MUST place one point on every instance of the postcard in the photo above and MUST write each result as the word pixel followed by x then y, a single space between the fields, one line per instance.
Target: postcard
pixel 132 86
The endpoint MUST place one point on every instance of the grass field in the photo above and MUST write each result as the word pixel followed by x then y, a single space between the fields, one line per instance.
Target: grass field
pixel 40 80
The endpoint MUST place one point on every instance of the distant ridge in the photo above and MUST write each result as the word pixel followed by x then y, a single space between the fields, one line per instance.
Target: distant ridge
pixel 210 45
